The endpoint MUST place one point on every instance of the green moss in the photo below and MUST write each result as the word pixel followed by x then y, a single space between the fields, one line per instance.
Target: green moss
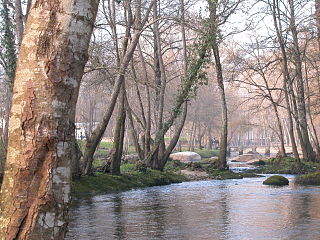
pixel 104 183
pixel 223 174
pixel 286 166
pixel 309 179
pixel 228 174
pixel 174 166
pixel 127 168
pixel 276 180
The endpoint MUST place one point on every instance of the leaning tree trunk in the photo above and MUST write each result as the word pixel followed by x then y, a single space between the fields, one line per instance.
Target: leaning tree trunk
pixel 94 139
pixel 36 186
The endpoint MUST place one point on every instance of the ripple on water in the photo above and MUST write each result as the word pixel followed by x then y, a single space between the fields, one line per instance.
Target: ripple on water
pixel 230 209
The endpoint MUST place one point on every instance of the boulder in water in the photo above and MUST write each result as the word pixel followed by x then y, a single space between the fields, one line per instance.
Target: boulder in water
pixel 186 157
pixel 276 180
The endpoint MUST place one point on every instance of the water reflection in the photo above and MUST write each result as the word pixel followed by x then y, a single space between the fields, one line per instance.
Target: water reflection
pixel 231 209
pixel 119 217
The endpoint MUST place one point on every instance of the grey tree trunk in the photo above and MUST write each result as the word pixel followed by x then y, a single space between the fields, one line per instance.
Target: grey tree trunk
pixel 309 153
pixel 220 81
pixel 19 21
pixel 117 149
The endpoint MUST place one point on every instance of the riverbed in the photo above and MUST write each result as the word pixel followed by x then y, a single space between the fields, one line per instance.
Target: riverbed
pixel 242 209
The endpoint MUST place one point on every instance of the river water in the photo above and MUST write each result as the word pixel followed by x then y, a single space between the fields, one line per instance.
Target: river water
pixel 241 209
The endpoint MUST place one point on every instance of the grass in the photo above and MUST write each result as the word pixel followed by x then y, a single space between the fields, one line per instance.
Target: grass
pixel 175 165
pixel 286 165
pixel 309 179
pixel 104 183
pixel 228 174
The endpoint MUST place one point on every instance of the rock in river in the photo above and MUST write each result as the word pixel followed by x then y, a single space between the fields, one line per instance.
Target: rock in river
pixel 186 156
pixel 276 180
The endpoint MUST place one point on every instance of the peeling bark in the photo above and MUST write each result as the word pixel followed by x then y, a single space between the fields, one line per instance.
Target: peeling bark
pixel 36 186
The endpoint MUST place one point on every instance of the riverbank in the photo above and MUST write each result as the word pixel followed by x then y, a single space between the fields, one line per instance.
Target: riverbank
pixel 286 165
pixel 175 172
pixel 106 183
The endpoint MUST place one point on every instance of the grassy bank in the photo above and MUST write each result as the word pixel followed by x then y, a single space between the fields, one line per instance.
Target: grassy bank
pixel 131 178
pixel 309 179
pixel 104 183
pixel 286 165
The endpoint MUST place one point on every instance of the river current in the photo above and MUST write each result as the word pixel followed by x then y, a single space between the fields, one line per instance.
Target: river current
pixel 242 209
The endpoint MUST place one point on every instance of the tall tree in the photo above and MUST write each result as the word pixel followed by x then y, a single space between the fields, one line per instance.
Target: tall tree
pixel 301 105
pixel 36 186
pixel 285 73
pixel 216 19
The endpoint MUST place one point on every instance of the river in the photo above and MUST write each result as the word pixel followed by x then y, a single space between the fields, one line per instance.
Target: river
pixel 242 209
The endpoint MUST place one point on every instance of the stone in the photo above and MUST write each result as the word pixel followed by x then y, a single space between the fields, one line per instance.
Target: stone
pixel 276 180
pixel 186 157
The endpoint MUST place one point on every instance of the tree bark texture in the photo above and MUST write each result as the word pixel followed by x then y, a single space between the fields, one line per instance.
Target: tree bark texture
pixel 36 186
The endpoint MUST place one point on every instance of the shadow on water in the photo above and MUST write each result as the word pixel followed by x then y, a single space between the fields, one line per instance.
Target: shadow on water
pixel 219 210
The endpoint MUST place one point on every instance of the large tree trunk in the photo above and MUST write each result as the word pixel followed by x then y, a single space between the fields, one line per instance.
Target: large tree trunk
pixel 36 185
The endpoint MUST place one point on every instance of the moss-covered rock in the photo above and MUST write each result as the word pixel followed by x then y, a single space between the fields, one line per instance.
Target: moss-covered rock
pixel 309 179
pixel 276 180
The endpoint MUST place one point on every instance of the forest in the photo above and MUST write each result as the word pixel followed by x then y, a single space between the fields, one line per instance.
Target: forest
pixel 112 95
